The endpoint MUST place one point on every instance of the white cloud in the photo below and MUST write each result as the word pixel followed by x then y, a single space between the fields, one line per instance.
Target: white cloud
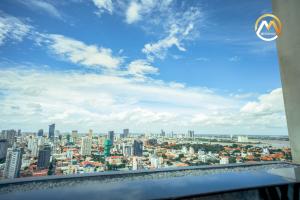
pixel 159 49
pixel 179 27
pixel 133 13
pixel 266 112
pixel 104 5
pixel 43 7
pixel 12 28
pixel 81 53
pixel 270 103
pixel 138 10
pixel 34 98
pixel 174 24
pixel 141 68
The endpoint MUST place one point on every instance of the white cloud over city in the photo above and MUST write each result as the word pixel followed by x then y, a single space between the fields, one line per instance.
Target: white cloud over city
pixel 80 53
pixel 34 98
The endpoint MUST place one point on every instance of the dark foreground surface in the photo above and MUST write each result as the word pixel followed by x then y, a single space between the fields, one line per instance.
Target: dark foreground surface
pixel 246 181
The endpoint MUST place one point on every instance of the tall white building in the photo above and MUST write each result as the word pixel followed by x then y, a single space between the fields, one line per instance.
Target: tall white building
pixel 33 146
pixel 156 162
pixel 127 150
pixel 191 151
pixel 86 146
pixel 13 163
pixel 136 163
pixel 41 141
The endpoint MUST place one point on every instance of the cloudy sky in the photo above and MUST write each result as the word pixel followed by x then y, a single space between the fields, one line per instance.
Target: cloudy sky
pixel 145 65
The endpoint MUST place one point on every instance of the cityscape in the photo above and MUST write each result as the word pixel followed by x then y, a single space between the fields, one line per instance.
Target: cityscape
pixel 149 99
pixel 45 153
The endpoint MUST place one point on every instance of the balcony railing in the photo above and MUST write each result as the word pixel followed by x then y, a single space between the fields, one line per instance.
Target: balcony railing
pixel 264 180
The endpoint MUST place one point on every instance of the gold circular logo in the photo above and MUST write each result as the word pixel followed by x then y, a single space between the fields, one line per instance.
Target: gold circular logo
pixel 264 25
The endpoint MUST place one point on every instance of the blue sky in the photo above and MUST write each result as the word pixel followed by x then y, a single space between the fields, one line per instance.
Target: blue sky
pixel 140 64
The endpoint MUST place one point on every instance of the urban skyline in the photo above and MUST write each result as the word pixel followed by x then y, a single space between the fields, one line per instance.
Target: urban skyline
pixel 33 154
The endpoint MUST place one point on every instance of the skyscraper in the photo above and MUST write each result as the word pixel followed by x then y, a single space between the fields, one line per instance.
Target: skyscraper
pixel 74 135
pixel 3 148
pixel 111 136
pixel 86 146
pixel 125 132
pixel 107 146
pixel 44 157
pixel 137 148
pixel 51 132
pixel 191 134
pixel 162 133
pixel 10 136
pixel 33 146
pixel 40 133
pixel 136 163
pixel 90 134
pixel 19 132
pixel 13 163
pixel 127 150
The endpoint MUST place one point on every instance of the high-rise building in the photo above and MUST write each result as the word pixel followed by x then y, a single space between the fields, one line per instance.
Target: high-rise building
pixel 191 151
pixel 136 163
pixel 90 134
pixel 111 136
pixel 162 133
pixel 10 136
pixel 74 135
pixel 137 148
pixel 19 132
pixel 3 148
pixel 172 134
pixel 13 163
pixel 156 162
pixel 127 150
pixel 44 157
pixel 191 134
pixel 107 146
pixel 86 146
pixel 125 132
pixel 33 146
pixel 41 141
pixel 51 132
pixel 40 133
pixel 56 148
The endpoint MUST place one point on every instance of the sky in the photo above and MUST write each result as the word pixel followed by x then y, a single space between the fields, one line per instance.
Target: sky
pixel 145 65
